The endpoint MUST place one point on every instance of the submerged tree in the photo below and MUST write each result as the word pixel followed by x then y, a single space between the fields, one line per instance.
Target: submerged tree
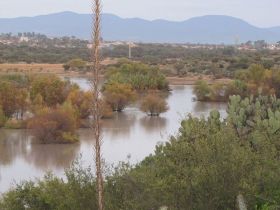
pixel 118 96
pixel 154 105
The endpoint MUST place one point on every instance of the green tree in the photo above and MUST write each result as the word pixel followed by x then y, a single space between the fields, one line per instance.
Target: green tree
pixel 12 98
pixel 52 89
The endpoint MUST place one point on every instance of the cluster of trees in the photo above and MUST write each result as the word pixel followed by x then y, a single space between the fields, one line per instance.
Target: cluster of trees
pixel 180 60
pixel 126 80
pixel 140 76
pixel 206 166
pixel 222 61
pixel 54 108
pixel 252 81
pixel 51 107
pixel 35 54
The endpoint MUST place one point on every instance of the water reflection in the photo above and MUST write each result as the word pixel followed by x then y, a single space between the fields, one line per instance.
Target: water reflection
pixel 18 144
pixel 120 125
pixel 151 124
pixel 202 108
pixel 13 144
pixel 48 157
pixel 129 133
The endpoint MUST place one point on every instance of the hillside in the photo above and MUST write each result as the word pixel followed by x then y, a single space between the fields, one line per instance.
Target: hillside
pixel 205 29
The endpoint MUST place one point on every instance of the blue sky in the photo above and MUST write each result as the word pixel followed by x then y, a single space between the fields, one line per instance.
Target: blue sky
pixel 263 13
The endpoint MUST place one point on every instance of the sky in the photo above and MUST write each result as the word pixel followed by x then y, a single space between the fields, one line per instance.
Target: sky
pixel 262 13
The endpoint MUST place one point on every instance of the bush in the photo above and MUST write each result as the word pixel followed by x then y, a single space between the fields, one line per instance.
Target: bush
pixel 54 126
pixel 82 101
pixel 154 105
pixel 118 95
pixel 75 64
pixel 76 193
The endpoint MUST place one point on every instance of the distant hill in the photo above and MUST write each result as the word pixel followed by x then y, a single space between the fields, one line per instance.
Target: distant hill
pixel 206 29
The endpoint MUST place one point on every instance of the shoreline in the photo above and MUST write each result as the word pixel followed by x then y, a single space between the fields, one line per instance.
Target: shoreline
pixel 57 69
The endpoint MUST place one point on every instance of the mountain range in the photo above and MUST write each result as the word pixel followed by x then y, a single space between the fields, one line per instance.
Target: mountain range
pixel 211 29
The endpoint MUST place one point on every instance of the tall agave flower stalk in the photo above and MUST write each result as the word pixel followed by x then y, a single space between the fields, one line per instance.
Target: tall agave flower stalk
pixel 96 111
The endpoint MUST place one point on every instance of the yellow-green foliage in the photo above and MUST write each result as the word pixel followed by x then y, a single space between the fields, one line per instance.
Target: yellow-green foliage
pixel 119 95
pixel 140 76
pixel 153 105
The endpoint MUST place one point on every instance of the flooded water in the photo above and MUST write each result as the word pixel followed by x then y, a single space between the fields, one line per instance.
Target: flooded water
pixel 130 133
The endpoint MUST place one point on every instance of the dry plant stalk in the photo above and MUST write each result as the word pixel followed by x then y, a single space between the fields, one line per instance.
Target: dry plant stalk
pixel 96 112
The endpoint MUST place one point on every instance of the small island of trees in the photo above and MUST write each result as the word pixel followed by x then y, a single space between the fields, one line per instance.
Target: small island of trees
pixel 54 108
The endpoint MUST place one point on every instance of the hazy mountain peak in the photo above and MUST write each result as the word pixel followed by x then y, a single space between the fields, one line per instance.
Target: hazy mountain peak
pixel 204 29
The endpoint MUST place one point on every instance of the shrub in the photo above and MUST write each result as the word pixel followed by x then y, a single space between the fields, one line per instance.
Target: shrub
pixel 82 101
pixel 75 64
pixel 54 126
pixel 118 95
pixel 154 105
pixel 106 110
pixel 52 193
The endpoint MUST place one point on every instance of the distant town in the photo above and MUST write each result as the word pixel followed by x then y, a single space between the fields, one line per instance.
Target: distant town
pixel 39 40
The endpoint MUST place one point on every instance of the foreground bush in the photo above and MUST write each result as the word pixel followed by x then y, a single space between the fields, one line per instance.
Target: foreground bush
pixel 154 105
pixel 54 126
pixel 77 193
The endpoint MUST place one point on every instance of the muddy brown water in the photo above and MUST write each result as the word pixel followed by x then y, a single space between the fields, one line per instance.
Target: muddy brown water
pixel 129 135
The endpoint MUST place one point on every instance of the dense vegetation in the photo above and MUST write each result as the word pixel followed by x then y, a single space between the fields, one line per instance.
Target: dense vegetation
pixel 206 166
pixel 46 104
pixel 180 60
pixel 54 108
pixel 141 77
pixel 38 48
pixel 252 81
pixel 125 80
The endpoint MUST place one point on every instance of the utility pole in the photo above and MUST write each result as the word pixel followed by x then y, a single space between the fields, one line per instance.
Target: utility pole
pixel 129 50
pixel 96 112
